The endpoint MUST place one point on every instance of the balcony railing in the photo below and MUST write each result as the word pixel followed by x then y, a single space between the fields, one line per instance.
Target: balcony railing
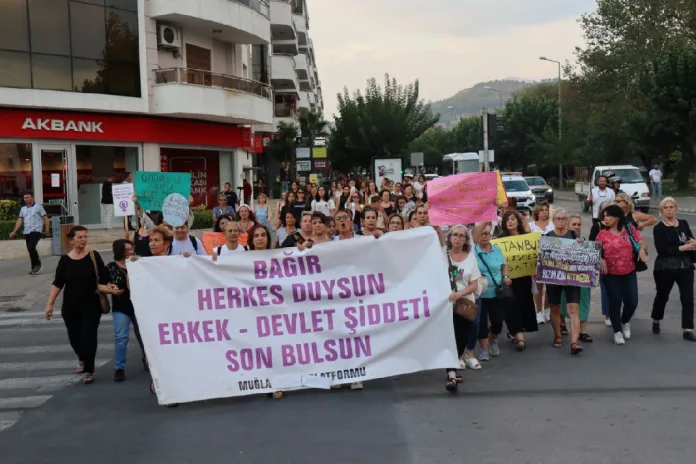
pixel 260 6
pixel 284 111
pixel 210 79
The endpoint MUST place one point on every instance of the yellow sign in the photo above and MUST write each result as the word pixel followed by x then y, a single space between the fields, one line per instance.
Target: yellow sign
pixel 521 253
pixel 502 194
pixel 319 152
pixel 313 178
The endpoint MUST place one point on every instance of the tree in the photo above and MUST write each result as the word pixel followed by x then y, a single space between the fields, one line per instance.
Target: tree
pixel 381 123
pixel 313 124
pixel 282 146
pixel 525 120
pixel 434 144
pixel 670 88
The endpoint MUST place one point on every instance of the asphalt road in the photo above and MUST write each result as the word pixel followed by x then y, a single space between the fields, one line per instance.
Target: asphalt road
pixel 630 404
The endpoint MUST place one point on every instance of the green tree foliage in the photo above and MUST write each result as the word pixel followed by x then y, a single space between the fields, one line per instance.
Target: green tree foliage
pixel 669 84
pixel 282 146
pixel 381 123
pixel 313 124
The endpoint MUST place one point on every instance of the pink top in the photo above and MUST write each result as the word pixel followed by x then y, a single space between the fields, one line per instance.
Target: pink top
pixel 618 251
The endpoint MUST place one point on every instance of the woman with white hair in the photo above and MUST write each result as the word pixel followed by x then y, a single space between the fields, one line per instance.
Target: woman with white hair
pixel 464 277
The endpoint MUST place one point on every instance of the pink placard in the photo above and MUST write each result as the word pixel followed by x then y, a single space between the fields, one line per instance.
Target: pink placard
pixel 463 199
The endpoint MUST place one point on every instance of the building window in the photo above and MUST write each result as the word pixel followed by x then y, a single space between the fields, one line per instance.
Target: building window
pixel 89 46
pixel 15 170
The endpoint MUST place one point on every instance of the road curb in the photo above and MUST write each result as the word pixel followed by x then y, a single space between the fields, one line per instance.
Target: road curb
pixel 652 207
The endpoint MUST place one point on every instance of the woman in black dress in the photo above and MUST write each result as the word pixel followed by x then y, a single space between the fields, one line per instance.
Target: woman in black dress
pixel 81 310
pixel 521 316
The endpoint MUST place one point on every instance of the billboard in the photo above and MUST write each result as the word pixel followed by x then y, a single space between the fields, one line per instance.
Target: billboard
pixel 391 168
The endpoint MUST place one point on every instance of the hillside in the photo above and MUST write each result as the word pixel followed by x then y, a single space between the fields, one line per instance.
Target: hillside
pixel 469 102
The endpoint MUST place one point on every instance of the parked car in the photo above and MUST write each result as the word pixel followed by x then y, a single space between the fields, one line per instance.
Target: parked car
pixel 516 187
pixel 541 190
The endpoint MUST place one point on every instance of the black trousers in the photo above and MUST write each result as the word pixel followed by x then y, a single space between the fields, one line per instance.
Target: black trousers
pixel 32 239
pixel 664 281
pixel 461 335
pixel 83 326
pixel 491 312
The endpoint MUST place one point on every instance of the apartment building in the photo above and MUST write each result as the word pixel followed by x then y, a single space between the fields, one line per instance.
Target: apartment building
pixel 89 88
pixel 294 76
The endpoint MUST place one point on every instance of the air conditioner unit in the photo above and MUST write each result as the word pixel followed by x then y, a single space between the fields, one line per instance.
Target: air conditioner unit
pixel 168 36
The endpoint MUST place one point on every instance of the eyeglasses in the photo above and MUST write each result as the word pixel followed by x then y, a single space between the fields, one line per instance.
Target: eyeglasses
pixel 341 218
pixel 561 218
pixel 459 235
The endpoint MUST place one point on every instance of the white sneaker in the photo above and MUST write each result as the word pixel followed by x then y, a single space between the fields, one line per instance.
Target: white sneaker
pixel 547 314
pixel 540 317
pixel 472 363
pixel 607 322
pixel 626 329
pixel 619 339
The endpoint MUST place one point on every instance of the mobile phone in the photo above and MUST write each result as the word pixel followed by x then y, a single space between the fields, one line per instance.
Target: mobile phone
pixel 298 238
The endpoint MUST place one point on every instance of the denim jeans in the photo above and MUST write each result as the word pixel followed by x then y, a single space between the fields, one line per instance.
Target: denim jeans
pixel 656 190
pixel 122 324
pixel 605 299
pixel 472 336
pixel 621 289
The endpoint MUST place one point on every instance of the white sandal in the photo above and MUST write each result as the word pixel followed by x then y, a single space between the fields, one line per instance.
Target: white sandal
pixel 472 363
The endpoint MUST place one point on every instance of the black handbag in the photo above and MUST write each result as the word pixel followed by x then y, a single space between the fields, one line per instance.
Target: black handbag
pixel 502 292
pixel 640 264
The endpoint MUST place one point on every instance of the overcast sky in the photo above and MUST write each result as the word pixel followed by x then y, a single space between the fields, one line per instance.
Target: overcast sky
pixel 448 44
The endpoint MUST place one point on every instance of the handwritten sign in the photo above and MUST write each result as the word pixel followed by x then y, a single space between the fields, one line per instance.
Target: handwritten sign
pixel 283 319
pixel 564 261
pixel 521 253
pixel 212 240
pixel 152 188
pixel 175 210
pixel 123 199
pixel 463 199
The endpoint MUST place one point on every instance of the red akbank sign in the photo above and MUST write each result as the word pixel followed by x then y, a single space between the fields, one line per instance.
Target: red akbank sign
pixel 36 124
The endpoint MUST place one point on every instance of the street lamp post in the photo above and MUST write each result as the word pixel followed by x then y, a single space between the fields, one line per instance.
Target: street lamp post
pixel 560 113
pixel 500 94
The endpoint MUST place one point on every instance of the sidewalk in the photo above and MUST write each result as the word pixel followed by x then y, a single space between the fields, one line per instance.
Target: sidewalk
pixel 686 204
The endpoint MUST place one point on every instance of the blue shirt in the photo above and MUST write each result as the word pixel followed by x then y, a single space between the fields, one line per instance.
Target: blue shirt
pixel 495 260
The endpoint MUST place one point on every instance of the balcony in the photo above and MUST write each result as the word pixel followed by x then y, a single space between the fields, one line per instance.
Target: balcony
pixel 301 28
pixel 282 21
pixel 236 21
pixel 192 93
pixel 304 102
pixel 284 75
pixel 302 66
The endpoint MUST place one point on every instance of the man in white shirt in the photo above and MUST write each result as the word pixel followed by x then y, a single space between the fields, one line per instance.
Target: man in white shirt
pixel 599 195
pixel 186 244
pixel 656 182
pixel 33 216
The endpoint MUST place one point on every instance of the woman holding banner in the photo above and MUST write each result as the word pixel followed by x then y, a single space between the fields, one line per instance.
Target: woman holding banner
pixel 572 293
pixel 575 224
pixel 464 277
pixel 520 317
pixel 542 223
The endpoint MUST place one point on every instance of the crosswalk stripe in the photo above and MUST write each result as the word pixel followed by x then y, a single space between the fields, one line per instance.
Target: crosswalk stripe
pixel 20 315
pixel 23 402
pixel 39 365
pixel 8 419
pixel 48 349
pixel 46 383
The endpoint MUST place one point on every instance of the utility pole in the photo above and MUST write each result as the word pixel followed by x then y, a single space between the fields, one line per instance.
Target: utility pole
pixel 486 167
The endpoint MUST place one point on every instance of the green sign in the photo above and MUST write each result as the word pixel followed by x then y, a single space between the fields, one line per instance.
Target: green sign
pixel 152 188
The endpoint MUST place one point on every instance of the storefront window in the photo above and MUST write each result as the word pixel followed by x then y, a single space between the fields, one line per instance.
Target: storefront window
pixel 204 167
pixel 95 164
pixel 15 170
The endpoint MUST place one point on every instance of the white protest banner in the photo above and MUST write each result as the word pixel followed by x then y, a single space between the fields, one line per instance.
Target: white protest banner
pixel 123 199
pixel 175 209
pixel 263 321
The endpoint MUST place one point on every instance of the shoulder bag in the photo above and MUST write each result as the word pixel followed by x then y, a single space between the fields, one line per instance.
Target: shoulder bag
pixel 463 307
pixel 502 291
pixel 640 265
pixel 103 299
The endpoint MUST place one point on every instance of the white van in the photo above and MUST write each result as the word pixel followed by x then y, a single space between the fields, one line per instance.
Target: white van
pixel 632 183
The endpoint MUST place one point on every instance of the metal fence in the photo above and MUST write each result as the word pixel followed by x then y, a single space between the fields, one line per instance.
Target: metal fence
pixel 211 79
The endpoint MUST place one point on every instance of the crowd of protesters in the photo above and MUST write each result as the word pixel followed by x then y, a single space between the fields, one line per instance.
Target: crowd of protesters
pixel 312 215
